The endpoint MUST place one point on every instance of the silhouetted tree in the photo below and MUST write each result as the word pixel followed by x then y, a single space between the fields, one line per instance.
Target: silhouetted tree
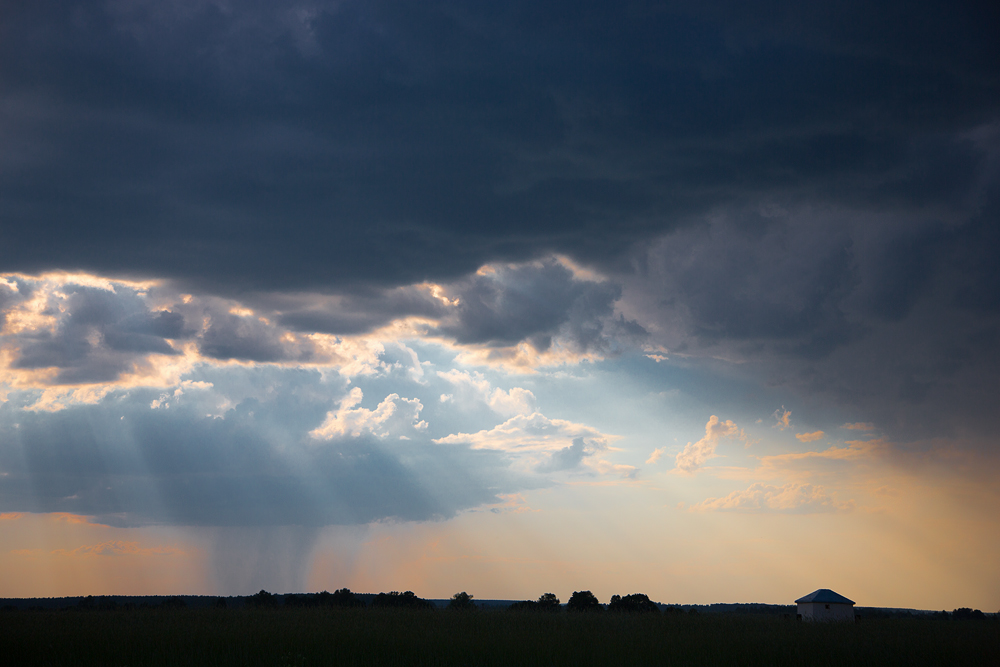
pixel 583 601
pixel 262 599
pixel 219 603
pixel 397 600
pixel 966 614
pixel 461 602
pixel 174 603
pixel 548 602
pixel 637 602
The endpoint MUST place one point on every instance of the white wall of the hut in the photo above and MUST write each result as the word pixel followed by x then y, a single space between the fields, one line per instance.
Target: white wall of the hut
pixel 820 611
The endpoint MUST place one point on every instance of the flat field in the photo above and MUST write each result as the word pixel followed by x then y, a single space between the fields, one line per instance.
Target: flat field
pixel 147 637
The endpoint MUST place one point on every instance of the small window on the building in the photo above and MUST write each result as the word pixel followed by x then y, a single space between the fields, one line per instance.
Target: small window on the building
pixel 827 606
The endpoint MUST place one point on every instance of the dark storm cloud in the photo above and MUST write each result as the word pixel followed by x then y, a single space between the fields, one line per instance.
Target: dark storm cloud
pixel 893 317
pixel 252 465
pixel 536 303
pixel 312 145
pixel 235 337
pixel 360 311
pixel 810 186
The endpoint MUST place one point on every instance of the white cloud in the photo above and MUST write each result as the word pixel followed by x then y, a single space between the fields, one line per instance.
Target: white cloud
pixel 782 418
pixel 517 401
pixel 530 433
pixel 694 455
pixel 789 498
pixel 655 456
pixel 809 437
pixel 394 416
pixel 546 445
pixel 474 387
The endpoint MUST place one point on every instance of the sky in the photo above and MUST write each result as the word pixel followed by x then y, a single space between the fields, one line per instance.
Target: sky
pixel 699 300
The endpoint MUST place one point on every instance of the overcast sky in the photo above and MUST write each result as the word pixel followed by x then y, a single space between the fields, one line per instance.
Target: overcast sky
pixel 700 300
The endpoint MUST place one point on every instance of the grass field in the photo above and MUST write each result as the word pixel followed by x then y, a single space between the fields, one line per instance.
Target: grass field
pixel 392 637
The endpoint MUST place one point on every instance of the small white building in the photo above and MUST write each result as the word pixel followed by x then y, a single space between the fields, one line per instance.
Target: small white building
pixel 825 605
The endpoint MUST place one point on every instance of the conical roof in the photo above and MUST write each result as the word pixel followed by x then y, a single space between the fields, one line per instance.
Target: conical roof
pixel 825 595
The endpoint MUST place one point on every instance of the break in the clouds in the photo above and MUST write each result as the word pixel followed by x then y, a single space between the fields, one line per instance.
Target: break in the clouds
pixel 136 404
pixel 205 455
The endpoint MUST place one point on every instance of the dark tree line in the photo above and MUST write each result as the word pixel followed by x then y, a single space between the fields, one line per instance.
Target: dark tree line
pixel 396 600
pixel 342 598
pixel 547 602
pixel 579 602
pixel 587 602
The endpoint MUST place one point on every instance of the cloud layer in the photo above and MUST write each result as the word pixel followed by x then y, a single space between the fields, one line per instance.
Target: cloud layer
pixel 310 144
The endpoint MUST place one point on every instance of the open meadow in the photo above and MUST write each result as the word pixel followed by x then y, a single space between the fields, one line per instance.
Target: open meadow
pixel 275 637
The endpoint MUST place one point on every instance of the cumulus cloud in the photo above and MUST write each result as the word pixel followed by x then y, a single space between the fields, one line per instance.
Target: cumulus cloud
pixel 534 432
pixel 395 416
pixel 473 386
pixel 543 444
pixel 791 498
pixel 809 437
pixel 694 455
pixel 79 336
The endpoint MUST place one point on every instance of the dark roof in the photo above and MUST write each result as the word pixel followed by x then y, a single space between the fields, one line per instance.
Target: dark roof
pixel 824 595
